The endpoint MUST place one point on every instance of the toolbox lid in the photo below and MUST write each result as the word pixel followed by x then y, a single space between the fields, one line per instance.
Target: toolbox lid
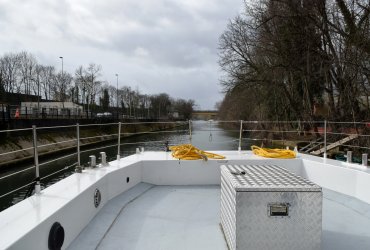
pixel 251 178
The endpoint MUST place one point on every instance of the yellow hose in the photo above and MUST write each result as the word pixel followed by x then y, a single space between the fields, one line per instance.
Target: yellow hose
pixel 189 152
pixel 274 153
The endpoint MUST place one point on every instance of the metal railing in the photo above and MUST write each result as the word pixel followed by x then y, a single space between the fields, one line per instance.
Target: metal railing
pixel 56 111
pixel 321 136
pixel 78 141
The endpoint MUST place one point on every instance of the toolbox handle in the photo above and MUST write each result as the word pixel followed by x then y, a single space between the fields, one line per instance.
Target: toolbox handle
pixel 278 209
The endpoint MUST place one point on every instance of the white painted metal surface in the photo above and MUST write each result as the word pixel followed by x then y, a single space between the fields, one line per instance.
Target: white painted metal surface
pixel 70 201
pixel 161 217
pixel 173 217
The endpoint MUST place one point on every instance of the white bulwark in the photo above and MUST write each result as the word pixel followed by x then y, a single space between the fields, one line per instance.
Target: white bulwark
pixel 151 200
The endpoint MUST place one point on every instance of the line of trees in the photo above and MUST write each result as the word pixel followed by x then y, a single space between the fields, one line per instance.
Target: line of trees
pixel 21 73
pixel 289 59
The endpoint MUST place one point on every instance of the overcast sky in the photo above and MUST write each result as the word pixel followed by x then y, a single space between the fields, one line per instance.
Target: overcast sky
pixel 154 45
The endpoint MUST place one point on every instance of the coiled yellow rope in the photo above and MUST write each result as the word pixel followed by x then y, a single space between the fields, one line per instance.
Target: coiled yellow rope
pixel 189 152
pixel 274 153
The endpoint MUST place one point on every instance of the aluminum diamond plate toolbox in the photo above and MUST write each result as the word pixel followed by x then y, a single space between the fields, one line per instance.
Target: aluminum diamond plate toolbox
pixel 268 207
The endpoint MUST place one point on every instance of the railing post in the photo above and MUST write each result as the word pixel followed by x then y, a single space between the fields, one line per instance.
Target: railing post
pixel 119 142
pixel 36 160
pixel 325 128
pixel 190 131
pixel 240 136
pixel 78 167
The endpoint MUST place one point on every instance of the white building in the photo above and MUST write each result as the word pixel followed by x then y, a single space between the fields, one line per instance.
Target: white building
pixel 51 108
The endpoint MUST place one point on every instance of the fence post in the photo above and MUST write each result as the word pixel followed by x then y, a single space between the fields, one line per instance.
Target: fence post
pixel 240 136
pixel 119 142
pixel 78 167
pixel 325 128
pixel 3 111
pixel 8 112
pixel 36 160
pixel 190 131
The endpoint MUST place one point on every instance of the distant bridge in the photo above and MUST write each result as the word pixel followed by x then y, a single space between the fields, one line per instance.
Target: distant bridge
pixel 205 114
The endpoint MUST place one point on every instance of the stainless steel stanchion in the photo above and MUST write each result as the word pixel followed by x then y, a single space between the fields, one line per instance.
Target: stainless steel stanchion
pixel 78 167
pixel 190 135
pixel 325 127
pixel 240 136
pixel 119 142
pixel 36 161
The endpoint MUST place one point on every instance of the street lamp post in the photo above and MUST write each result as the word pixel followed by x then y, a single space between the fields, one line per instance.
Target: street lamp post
pixel 38 97
pixel 117 96
pixel 61 57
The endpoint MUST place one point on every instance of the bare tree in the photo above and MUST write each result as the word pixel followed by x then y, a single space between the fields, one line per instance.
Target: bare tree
pixel 87 80
pixel 10 66
pixel 291 56
pixel 61 87
pixel 27 71
pixel 47 81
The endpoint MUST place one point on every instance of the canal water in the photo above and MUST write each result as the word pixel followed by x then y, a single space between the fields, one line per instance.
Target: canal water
pixel 206 135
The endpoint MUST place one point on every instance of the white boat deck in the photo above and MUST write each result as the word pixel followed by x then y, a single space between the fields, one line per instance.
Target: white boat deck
pixel 188 217
pixel 179 209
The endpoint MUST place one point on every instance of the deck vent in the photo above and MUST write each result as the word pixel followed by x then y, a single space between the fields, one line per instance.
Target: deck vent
pixel 97 197
pixel 56 236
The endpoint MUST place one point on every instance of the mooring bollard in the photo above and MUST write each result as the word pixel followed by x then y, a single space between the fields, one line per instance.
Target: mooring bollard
pixel 364 160
pixel 103 157
pixel 349 156
pixel 92 161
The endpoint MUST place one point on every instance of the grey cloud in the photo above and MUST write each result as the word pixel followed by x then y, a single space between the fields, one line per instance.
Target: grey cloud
pixel 158 45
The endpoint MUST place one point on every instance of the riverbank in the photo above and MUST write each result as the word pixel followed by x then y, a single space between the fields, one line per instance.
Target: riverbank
pixel 16 148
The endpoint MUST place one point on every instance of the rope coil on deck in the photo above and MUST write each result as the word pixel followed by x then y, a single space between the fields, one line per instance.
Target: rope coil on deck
pixel 189 152
pixel 274 153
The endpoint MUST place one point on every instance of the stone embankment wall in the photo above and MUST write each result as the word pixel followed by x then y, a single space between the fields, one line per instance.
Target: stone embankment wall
pixel 53 140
